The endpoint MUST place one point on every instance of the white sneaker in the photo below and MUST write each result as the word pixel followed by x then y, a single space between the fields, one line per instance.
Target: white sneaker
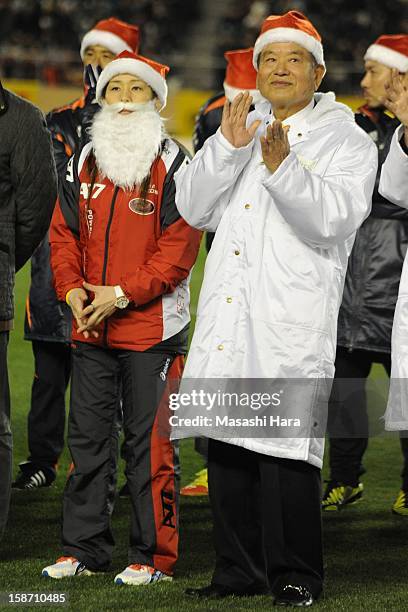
pixel 139 575
pixel 65 567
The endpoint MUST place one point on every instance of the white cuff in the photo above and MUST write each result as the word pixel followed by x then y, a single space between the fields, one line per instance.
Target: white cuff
pixel 221 140
pixel 272 178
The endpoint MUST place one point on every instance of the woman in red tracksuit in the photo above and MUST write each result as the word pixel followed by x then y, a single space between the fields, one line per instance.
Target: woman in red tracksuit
pixel 121 257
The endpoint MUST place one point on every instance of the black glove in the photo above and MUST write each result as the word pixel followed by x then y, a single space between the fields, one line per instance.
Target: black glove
pixel 91 76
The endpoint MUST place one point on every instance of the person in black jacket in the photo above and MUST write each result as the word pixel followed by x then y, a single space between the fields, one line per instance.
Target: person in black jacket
pixel 48 322
pixel 27 196
pixel 369 299
pixel 240 76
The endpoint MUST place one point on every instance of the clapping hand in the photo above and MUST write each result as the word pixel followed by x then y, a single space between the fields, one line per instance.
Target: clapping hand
pixel 275 145
pixel 91 76
pixel 233 124
pixel 397 97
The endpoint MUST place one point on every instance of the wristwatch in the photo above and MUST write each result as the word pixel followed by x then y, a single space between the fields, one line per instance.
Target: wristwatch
pixel 121 299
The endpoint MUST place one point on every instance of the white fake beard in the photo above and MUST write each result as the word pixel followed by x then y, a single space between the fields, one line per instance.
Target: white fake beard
pixel 125 146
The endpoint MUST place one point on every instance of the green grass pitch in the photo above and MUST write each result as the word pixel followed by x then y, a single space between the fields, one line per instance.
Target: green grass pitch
pixel 366 547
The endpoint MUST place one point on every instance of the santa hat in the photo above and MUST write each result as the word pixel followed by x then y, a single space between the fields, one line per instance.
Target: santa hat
pixel 240 74
pixel 115 35
pixel 390 50
pixel 291 27
pixel 152 73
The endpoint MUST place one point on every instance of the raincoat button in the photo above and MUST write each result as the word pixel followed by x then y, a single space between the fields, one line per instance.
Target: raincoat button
pixel 237 252
pixel 229 300
pixel 220 347
pixel 247 206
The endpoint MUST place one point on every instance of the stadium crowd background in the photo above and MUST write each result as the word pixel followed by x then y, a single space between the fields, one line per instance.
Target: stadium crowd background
pixel 39 39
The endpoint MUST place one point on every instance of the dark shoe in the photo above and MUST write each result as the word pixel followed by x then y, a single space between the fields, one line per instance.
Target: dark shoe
pixel 218 591
pixel 294 595
pixel 124 491
pixel 33 477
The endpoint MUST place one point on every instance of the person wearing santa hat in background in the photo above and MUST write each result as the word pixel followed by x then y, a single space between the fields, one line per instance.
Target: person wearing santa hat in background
pixel 240 76
pixel 369 297
pixel 48 322
pixel 129 297
pixel 286 190
pixel 99 46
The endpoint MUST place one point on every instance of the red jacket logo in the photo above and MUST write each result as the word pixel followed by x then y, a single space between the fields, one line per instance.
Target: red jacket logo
pixel 141 207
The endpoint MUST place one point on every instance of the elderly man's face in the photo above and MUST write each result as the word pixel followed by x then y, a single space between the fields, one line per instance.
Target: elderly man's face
pixel 373 83
pixel 288 76
pixel 127 88
pixel 98 56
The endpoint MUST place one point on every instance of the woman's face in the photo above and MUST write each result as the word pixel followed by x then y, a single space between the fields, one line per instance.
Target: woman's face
pixel 127 88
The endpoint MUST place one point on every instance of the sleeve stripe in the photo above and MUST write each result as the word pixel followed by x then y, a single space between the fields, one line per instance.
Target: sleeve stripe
pixel 168 212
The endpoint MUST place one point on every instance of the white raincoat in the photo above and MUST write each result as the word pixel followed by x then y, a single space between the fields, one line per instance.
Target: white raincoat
pixel 274 276
pixel 394 187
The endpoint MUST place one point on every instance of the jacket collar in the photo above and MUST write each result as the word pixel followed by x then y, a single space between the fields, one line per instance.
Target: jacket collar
pixel 323 110
pixel 298 124
pixel 376 115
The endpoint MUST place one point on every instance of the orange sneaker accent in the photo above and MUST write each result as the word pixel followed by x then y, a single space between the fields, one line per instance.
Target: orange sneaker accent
pixel 70 469
pixel 139 566
pixel 61 559
pixel 194 490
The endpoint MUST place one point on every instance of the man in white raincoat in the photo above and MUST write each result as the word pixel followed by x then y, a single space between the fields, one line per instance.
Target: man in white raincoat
pixel 394 186
pixel 285 206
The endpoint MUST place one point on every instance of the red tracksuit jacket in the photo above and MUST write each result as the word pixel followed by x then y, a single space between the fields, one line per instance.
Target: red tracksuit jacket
pixel 117 239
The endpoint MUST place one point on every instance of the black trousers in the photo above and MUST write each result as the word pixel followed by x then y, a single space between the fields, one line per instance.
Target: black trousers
pixel 46 419
pixel 6 441
pixel 267 519
pixel 100 377
pixel 348 419
pixel 201 447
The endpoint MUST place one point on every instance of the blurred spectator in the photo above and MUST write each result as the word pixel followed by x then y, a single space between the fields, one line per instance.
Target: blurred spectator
pixel 40 39
pixel 345 29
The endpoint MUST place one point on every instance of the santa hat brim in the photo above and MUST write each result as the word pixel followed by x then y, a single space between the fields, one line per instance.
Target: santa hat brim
pixel 232 92
pixel 111 41
pixel 289 35
pixel 133 66
pixel 387 56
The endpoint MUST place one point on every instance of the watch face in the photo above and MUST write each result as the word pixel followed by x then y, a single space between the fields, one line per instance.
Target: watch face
pixel 122 302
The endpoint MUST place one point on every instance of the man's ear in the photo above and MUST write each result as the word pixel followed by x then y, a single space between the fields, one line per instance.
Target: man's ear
pixel 319 74
pixel 157 104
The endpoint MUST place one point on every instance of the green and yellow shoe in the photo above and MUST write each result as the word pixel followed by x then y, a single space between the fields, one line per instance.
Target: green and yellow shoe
pixel 400 505
pixel 337 495
pixel 199 486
